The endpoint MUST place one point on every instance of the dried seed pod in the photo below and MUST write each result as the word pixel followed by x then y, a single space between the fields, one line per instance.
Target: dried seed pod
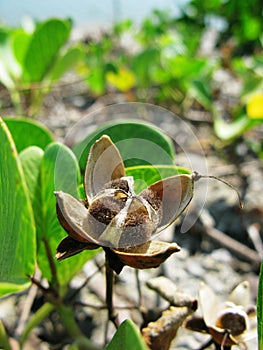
pixel 148 255
pixel 229 322
pixel 115 217
pixel 104 164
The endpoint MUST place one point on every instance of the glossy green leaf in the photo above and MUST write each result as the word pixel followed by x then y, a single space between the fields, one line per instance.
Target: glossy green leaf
pixel 260 309
pixel 144 176
pixel 27 133
pixel 17 227
pixel 127 337
pixel 44 47
pixel 139 143
pixel 57 170
pixel 31 159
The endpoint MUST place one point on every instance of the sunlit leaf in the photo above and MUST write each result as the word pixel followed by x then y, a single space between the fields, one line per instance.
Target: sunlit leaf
pixel 65 62
pixel 255 107
pixel 228 131
pixel 97 81
pixel 26 132
pixel 10 70
pixel 17 228
pixel 186 67
pixel 123 80
pixel 44 46
pixel 31 159
pixel 20 41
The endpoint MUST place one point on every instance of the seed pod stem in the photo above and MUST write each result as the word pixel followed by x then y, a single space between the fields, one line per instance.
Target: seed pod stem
pixel 112 316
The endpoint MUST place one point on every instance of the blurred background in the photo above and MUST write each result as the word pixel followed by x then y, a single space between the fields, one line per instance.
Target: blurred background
pixel 84 13
pixel 199 60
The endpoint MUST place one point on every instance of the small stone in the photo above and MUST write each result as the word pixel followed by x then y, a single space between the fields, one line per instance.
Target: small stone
pixel 221 255
pixel 195 269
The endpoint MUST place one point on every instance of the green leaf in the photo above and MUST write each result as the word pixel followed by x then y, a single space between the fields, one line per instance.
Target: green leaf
pixel 202 92
pixel 228 131
pixel 27 133
pixel 66 62
pixel 186 68
pixel 139 143
pixel 127 337
pixel 10 70
pixel 55 169
pixel 59 171
pixel 144 63
pixel 19 43
pixel 17 228
pixel 260 309
pixel 4 338
pixel 31 159
pixel 144 176
pixel 97 81
pixel 44 47
pixel 251 27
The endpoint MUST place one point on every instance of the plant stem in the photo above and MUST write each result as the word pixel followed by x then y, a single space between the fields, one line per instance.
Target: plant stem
pixel 207 344
pixel 67 316
pixel 35 320
pixel 222 347
pixel 24 315
pixel 138 287
pixel 55 283
pixel 260 308
pixel 4 341
pixel 112 316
